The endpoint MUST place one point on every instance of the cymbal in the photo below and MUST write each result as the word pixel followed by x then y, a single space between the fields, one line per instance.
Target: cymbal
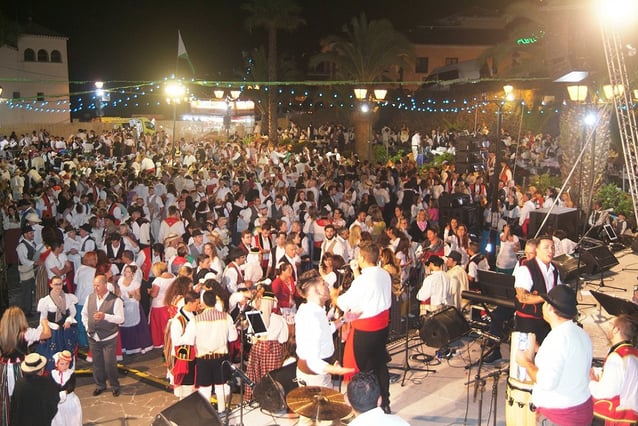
pixel 318 403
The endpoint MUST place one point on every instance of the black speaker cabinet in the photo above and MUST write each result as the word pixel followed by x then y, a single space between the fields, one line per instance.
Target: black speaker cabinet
pixel 467 215
pixel 272 389
pixel 193 410
pixel 598 259
pixel 466 143
pixel 454 200
pixel 560 218
pixel 443 327
pixel 568 267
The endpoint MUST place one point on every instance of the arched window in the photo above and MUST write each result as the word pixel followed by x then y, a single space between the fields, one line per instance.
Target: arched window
pixel 29 55
pixel 56 56
pixel 43 55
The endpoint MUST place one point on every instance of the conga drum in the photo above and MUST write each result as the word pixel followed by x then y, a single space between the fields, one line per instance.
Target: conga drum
pixel 519 410
pixel 521 342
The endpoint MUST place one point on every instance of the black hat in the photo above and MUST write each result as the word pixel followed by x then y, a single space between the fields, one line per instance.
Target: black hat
pixel 27 228
pixel 436 260
pixel 563 298
pixel 196 233
pixel 86 227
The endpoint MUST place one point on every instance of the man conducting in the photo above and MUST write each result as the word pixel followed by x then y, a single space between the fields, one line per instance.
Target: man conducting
pixel 561 369
pixel 368 300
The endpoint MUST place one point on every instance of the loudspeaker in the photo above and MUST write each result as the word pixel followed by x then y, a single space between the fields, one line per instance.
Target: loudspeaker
pixel 633 242
pixel 272 389
pixel 567 266
pixel 193 410
pixel 598 259
pixel 560 218
pixel 443 327
pixel 467 215
pixel 467 157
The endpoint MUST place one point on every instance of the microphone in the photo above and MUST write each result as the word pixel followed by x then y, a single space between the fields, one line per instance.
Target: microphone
pixel 244 378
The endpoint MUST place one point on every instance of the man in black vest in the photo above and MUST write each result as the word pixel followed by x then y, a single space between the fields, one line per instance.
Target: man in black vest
pixel 28 260
pixel 102 314
pixel 534 280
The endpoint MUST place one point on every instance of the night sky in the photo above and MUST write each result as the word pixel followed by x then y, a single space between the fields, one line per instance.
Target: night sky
pixel 136 40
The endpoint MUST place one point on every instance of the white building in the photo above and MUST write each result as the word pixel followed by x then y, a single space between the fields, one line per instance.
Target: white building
pixel 34 76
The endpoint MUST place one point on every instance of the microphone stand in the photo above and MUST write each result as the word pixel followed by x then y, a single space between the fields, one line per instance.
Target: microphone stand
pixel 240 317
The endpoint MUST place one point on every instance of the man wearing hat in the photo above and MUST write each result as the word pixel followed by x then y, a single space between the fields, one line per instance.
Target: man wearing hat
pixel 459 281
pixel 35 397
pixel 28 260
pixel 435 291
pixel 197 246
pixel 233 276
pixel 87 242
pixel 561 368
pixel 32 219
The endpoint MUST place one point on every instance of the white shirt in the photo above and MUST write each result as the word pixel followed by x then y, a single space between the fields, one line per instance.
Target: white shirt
pixel 436 287
pixel 370 293
pixel 619 377
pixel 523 278
pixel 376 417
pixel 563 361
pixel 314 336
pixel 116 317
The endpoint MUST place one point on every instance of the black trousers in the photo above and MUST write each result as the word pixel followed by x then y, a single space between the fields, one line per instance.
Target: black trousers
pixel 371 355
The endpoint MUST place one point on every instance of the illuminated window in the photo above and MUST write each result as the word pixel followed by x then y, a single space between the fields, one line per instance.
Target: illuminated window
pixel 451 61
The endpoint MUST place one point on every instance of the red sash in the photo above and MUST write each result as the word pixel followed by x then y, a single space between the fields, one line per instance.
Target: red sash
pixel 375 323
pixel 608 408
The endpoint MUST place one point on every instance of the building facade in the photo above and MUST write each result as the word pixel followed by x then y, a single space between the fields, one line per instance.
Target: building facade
pixel 34 76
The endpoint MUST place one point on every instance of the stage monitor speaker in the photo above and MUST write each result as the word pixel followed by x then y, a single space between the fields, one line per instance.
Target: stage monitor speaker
pixel 633 242
pixel 272 389
pixel 560 218
pixel 598 259
pixel 443 327
pixel 193 410
pixel 568 267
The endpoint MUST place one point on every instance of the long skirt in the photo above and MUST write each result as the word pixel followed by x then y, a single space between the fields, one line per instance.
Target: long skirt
pixel 69 412
pixel 159 319
pixel 9 374
pixel 265 356
pixel 137 339
pixel 60 340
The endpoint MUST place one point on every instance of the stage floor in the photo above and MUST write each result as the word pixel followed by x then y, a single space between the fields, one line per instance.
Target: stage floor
pixel 440 398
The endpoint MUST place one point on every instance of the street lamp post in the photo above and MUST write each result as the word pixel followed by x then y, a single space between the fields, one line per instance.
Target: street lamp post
pixel 366 99
pixel 175 93
pixel 500 103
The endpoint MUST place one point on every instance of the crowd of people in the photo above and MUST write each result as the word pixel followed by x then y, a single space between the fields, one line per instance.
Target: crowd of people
pixel 127 247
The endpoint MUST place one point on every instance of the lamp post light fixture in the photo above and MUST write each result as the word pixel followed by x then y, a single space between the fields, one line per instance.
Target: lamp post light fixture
pixel 367 99
pixel 508 91
pixel 175 92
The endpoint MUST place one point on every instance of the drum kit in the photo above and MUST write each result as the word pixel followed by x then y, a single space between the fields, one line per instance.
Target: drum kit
pixel 318 403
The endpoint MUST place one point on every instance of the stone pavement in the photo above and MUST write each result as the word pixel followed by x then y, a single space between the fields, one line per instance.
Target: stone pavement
pixel 440 398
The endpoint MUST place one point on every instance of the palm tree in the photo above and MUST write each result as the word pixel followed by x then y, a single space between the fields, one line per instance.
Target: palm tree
pixel 273 15
pixel 365 52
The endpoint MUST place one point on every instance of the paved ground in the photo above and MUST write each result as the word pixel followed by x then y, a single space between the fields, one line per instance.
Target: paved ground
pixel 427 398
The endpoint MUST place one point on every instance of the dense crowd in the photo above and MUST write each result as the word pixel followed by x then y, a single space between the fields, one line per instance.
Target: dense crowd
pixel 171 229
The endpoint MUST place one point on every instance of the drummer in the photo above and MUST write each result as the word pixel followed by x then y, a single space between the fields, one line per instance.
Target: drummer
pixel 534 279
pixel 560 371
pixel 314 337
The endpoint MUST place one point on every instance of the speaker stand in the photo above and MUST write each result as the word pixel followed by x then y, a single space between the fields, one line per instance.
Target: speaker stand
pixel 579 285
pixel 406 348
pixel 602 284
pixel 630 267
